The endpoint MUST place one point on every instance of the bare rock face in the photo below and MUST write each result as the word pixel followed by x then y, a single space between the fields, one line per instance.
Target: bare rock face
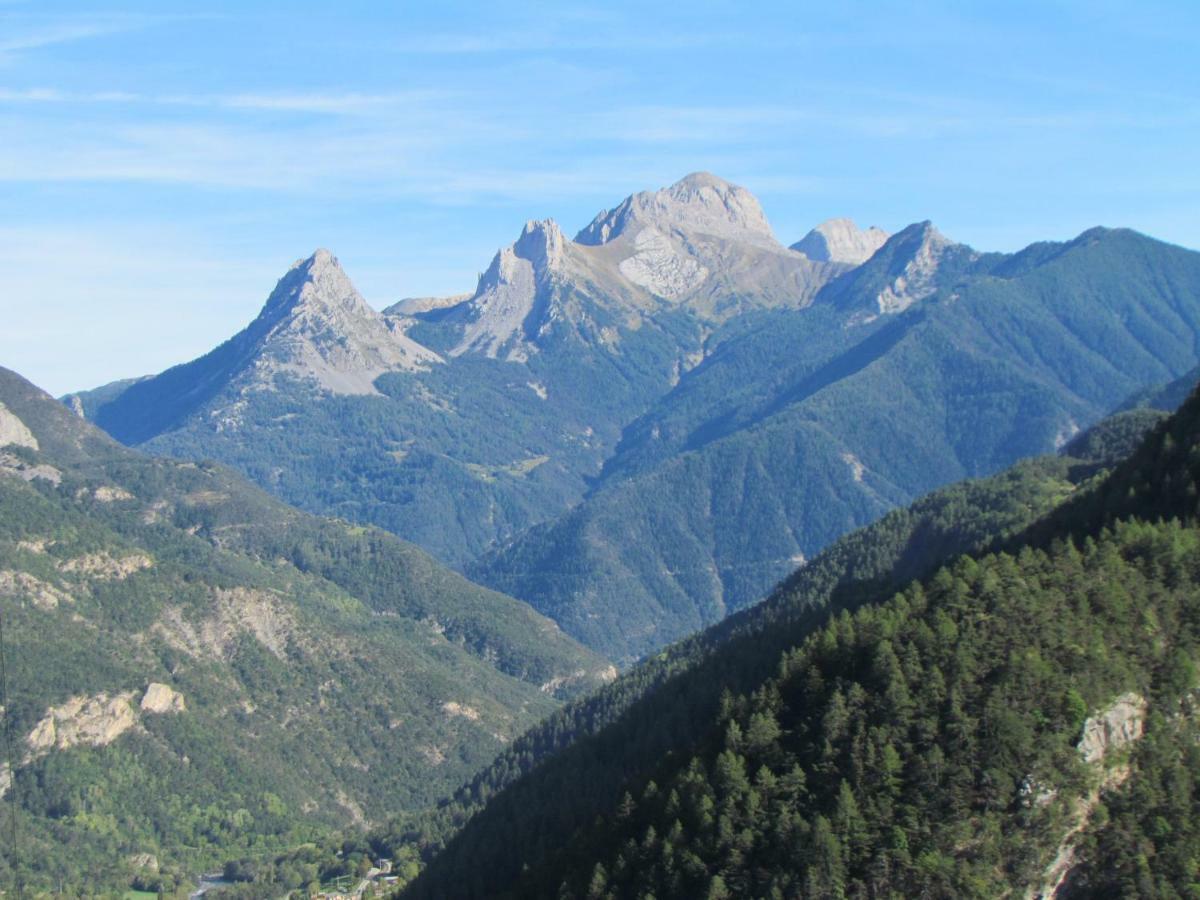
pixel 95 721
pixel 507 291
pixel 319 327
pixel 236 611
pixel 698 204
pixel 840 240
pixel 13 431
pixel 110 494
pixel 105 567
pixel 1106 734
pixel 917 281
pixel 22 585
pixel 11 464
pixel 454 708
pixel 659 267
pixel 1112 729
pixel 702 243
pixel 161 698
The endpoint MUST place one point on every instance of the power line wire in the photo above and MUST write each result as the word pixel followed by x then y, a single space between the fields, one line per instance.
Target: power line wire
pixel 14 858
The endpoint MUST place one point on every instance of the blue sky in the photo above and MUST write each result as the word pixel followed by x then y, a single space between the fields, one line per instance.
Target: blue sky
pixel 161 164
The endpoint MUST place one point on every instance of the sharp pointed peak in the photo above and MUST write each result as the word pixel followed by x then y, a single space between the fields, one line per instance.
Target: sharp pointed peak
pixel 319 260
pixel 312 282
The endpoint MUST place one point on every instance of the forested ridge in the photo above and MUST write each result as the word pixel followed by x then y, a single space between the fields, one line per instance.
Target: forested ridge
pixel 921 741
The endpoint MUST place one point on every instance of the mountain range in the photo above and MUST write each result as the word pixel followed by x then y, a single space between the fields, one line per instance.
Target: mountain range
pixel 954 475
pixel 641 430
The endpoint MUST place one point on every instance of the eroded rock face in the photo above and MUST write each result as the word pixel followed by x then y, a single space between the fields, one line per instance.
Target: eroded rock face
pixel 840 240
pixel 507 291
pixel 1114 728
pixel 10 464
pixel 917 281
pixel 454 708
pixel 657 266
pixel 161 698
pixel 104 566
pixel 96 721
pixel 22 585
pixel 1106 734
pixel 234 612
pixel 14 432
pixel 110 494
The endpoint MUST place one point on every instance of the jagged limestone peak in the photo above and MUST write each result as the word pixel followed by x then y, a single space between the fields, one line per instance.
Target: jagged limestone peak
pixel 541 242
pixel 840 240
pixel 316 281
pixel 699 204
pixel 506 291
pixel 317 325
pixel 917 280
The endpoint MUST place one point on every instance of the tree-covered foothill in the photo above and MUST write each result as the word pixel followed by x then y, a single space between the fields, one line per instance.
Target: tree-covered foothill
pixel 309 677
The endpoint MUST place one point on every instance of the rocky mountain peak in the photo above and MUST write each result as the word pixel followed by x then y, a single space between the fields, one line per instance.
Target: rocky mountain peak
pixel 505 295
pixel 314 282
pixel 917 255
pixel 910 266
pixel 316 324
pixel 840 240
pixel 541 242
pixel 698 204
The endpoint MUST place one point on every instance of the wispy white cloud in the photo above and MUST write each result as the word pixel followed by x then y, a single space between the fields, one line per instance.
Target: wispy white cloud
pixel 350 103
pixel 49 35
pixel 325 103
pixel 23 33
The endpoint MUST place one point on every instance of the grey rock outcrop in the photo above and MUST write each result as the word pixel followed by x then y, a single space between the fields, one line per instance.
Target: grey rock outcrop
pixel 700 203
pixel 1107 734
pixel 840 240
pixel 507 290
pixel 319 327
pixel 14 432
pixel 918 279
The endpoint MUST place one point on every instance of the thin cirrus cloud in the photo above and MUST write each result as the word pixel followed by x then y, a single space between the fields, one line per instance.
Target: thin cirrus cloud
pixel 323 103
pixel 421 144
pixel 25 33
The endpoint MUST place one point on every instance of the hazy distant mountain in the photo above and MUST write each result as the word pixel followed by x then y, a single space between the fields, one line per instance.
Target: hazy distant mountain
pixel 203 671
pixel 499 408
pixel 606 425
pixel 929 363
pixel 701 245
pixel 840 240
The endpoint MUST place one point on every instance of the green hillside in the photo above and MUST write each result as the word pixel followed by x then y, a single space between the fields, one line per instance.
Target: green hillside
pixel 196 671
pixel 949 736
